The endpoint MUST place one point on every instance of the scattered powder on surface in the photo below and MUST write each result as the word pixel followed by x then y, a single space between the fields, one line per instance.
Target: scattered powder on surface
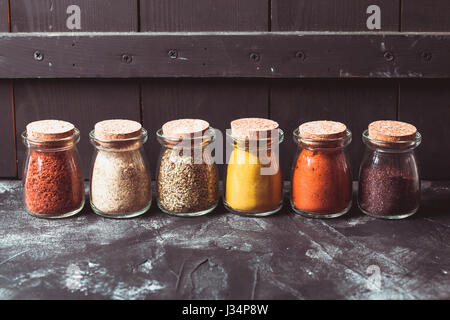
pixel 125 292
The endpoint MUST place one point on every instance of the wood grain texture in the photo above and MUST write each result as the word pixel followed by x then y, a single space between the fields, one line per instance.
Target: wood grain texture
pixel 81 102
pixel 51 15
pixel 204 15
pixel 356 103
pixel 4 24
pixel 7 146
pixel 430 15
pixel 7 160
pixel 266 55
pixel 335 15
pixel 426 104
pixel 216 101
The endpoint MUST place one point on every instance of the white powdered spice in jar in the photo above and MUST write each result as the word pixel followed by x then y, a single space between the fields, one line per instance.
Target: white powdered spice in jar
pixel 120 179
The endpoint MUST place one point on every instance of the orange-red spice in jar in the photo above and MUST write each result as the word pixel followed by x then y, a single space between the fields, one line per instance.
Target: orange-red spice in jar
pixel 53 186
pixel 321 177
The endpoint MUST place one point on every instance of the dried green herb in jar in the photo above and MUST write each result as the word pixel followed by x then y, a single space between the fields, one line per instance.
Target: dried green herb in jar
pixel 187 181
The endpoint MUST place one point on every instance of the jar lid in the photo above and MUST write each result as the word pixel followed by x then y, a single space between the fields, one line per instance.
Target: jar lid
pixel 392 131
pixel 246 128
pixel 185 128
pixel 50 130
pixel 117 129
pixel 322 130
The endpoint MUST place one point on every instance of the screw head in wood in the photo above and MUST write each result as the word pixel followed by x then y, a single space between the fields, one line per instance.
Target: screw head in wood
pixel 173 54
pixel 255 56
pixel 300 55
pixel 126 58
pixel 388 56
pixel 38 56
pixel 427 56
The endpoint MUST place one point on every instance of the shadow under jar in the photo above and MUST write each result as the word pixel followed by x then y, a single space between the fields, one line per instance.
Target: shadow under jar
pixel 187 180
pixel 389 181
pixel 52 179
pixel 321 184
pixel 253 181
pixel 120 179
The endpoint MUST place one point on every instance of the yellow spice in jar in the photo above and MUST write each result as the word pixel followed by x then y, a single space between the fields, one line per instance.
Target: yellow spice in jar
pixel 246 188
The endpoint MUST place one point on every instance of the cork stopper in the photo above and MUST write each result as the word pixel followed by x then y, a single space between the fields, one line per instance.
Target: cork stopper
pixel 252 128
pixel 117 129
pixel 49 130
pixel 322 130
pixel 185 128
pixel 392 131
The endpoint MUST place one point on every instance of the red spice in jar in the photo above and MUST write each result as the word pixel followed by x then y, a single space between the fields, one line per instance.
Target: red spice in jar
pixel 52 178
pixel 321 180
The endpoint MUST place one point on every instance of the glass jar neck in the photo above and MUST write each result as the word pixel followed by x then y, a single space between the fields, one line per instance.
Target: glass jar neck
pixel 52 145
pixel 391 147
pixel 119 145
pixel 322 144
pixel 196 142
pixel 257 144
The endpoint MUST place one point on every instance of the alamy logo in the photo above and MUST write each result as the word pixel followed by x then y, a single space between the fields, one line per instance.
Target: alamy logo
pixel 74 277
pixel 374 20
pixel 374 280
pixel 73 22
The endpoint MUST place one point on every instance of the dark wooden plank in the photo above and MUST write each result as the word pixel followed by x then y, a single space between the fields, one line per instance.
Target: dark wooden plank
pixel 266 55
pixel 4 13
pixel 224 256
pixel 426 105
pixel 430 15
pixel 81 102
pixel 216 101
pixel 7 159
pixel 50 15
pixel 204 15
pixel 336 15
pixel 353 102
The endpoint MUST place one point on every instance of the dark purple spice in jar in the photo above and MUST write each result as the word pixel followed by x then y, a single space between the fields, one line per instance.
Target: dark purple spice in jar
pixel 387 190
pixel 389 182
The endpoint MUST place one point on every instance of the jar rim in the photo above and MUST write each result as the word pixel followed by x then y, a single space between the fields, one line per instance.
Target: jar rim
pixel 48 144
pixel 207 137
pixel 269 139
pixel 142 136
pixel 345 139
pixel 403 144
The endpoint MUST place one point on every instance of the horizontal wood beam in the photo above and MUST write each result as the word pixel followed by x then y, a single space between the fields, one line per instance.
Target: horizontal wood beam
pixel 253 54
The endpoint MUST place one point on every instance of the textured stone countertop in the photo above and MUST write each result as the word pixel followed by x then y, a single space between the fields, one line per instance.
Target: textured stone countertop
pixel 222 256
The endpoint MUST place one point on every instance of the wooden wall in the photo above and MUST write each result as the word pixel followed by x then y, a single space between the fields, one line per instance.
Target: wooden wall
pixel 326 15
pixel 288 101
pixel 7 142
pixel 83 102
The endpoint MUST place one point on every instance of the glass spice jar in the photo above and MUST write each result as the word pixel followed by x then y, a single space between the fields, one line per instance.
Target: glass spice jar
pixel 120 180
pixel 321 184
pixel 187 180
pixel 52 179
pixel 253 181
pixel 389 181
